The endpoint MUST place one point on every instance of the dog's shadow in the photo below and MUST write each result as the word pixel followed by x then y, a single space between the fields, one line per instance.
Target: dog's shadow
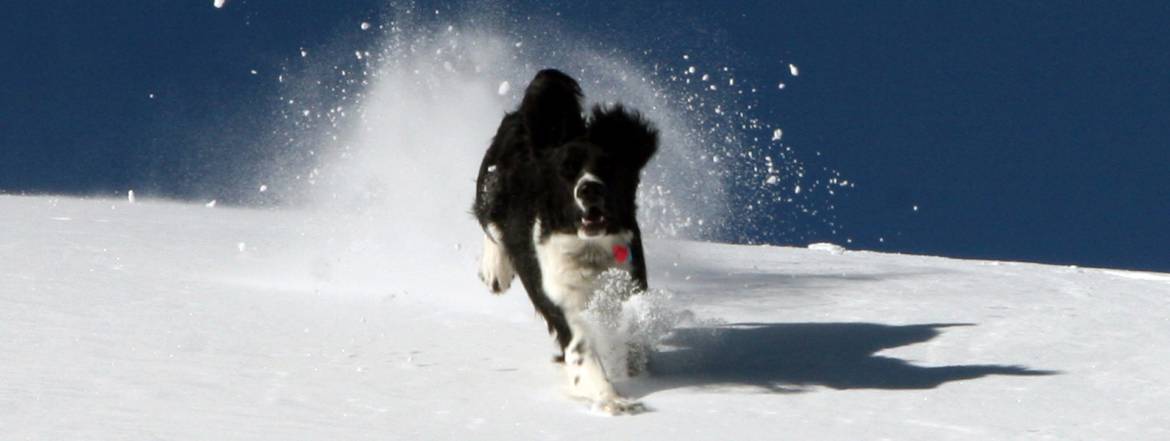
pixel 792 357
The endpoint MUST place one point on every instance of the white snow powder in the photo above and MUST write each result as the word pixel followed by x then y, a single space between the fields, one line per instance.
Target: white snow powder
pixel 130 196
pixel 218 3
pixel 776 134
pixel 793 70
pixel 365 26
pixel 210 204
pixel 504 88
pixel 830 248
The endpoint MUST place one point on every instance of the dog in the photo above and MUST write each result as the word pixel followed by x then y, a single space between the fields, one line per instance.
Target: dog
pixel 555 197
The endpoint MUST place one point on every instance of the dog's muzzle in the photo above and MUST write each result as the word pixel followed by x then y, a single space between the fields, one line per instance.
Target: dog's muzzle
pixel 590 196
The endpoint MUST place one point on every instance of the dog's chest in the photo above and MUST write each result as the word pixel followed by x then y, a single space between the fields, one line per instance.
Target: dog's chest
pixel 569 265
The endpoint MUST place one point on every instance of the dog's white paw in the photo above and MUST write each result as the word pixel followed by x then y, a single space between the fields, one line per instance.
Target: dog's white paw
pixel 618 406
pixel 495 269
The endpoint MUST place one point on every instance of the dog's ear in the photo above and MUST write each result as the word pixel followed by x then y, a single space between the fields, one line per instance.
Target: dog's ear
pixel 624 134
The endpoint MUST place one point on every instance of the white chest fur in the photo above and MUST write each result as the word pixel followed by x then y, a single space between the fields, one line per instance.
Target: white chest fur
pixel 569 264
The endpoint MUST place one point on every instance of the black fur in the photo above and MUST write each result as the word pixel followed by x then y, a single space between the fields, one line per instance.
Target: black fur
pixel 537 156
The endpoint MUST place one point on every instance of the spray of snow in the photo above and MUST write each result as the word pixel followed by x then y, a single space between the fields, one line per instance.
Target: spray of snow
pixel 627 323
pixel 408 119
pixel 383 147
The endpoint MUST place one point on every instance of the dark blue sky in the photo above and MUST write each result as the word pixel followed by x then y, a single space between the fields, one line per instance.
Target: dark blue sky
pixel 1030 131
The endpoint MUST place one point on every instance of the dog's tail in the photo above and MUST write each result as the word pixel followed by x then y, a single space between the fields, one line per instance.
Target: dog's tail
pixel 552 109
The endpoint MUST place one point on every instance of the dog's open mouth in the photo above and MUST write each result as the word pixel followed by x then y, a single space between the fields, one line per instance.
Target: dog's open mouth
pixel 593 224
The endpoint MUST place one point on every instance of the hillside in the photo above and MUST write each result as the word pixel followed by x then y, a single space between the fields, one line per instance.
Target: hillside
pixel 169 321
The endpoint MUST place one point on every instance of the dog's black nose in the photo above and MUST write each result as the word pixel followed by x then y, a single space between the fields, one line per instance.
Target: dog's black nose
pixel 591 193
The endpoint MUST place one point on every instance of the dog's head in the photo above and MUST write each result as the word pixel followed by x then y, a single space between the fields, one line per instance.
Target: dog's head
pixel 599 173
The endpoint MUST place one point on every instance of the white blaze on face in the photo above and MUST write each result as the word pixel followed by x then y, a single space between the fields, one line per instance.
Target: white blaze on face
pixel 587 177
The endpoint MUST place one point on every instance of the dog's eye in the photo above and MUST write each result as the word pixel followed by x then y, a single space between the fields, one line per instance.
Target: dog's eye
pixel 571 165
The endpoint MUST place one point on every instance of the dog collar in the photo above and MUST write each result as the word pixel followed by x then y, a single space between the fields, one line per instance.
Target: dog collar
pixel 621 253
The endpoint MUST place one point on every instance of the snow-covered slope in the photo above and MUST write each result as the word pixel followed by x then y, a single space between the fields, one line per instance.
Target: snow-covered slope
pixel 178 322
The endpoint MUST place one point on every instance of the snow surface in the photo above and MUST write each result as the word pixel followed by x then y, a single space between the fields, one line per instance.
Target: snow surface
pixel 147 321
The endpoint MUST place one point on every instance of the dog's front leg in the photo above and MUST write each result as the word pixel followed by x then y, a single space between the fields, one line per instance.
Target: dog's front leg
pixel 587 377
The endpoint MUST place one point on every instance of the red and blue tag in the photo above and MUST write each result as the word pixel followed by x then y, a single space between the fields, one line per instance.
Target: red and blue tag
pixel 621 253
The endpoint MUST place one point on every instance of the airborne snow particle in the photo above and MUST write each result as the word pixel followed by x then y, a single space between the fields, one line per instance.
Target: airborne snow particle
pixel 253 71
pixel 776 134
pixel 915 208
pixel 130 196
pixel 210 204
pixel 793 70
pixel 263 188
pixel 151 96
pixel 241 246
pixel 780 86
pixel 218 3
pixel 365 26
pixel 504 88
pixel 796 189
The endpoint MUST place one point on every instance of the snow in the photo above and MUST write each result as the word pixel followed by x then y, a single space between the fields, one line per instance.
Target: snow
pixel 504 88
pixel 793 70
pixel 145 321
pixel 218 3
pixel 827 247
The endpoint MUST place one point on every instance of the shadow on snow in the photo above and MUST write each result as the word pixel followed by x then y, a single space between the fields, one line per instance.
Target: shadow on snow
pixel 790 357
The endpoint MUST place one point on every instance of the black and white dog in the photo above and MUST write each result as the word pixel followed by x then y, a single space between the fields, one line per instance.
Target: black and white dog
pixel 555 198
